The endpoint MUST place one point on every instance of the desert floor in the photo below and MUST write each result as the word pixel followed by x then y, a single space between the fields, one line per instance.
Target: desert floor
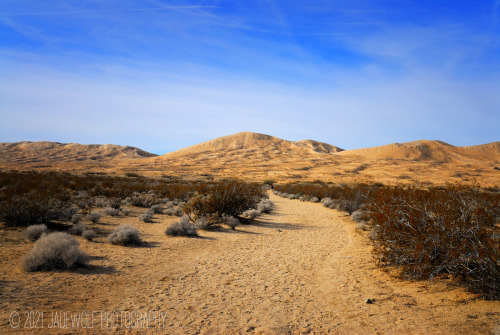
pixel 302 269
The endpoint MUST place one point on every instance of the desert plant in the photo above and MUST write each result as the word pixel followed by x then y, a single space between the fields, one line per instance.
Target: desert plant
pixel 125 235
pixel 228 197
pixel 202 223
pixel 88 234
pixel 425 233
pixel 111 211
pixel 146 217
pixel 77 229
pixel 126 211
pixel 179 212
pixel 55 251
pixel 265 206
pixel 76 218
pixel 114 203
pixel 231 221
pixel 32 207
pixel 94 216
pixel 327 202
pixel 182 228
pixel 156 209
pixel 100 202
pixel 142 200
pixel 35 231
pixel 360 216
pixel 251 214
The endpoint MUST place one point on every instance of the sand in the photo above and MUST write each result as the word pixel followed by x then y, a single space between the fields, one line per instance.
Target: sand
pixel 258 157
pixel 303 269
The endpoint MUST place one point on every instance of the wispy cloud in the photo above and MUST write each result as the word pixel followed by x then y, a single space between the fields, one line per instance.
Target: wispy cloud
pixel 93 11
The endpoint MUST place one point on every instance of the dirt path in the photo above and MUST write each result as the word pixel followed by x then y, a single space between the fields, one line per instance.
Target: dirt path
pixel 302 269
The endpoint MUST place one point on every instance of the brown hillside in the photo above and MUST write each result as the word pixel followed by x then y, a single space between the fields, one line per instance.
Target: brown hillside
pixel 253 141
pixel 425 150
pixel 54 152
pixel 259 157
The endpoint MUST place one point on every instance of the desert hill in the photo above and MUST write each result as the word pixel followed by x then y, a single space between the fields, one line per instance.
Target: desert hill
pixel 55 152
pixel 425 150
pixel 259 157
pixel 253 141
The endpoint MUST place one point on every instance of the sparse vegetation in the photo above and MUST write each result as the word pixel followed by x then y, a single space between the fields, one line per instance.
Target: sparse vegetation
pixel 55 251
pixel 146 217
pixel 111 211
pixel 426 233
pixel 89 234
pixel 182 228
pixel 232 222
pixel 34 232
pixel 423 233
pixel 265 206
pixel 251 214
pixel 156 209
pixel 94 216
pixel 225 198
pixel 77 229
pixel 125 235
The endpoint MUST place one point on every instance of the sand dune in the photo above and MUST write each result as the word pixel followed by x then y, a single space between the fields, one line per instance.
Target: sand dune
pixel 425 150
pixel 55 152
pixel 258 157
pixel 248 141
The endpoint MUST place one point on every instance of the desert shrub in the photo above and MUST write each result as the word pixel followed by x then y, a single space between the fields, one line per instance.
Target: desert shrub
pixel 265 206
pixel 360 216
pixel 26 208
pixel 111 211
pixel 146 217
pixel 77 229
pixel 424 233
pixel 343 197
pixel 156 209
pixel 179 212
pixel 34 232
pixel 125 235
pixel 170 211
pixel 55 251
pixel 89 234
pixel 182 228
pixel 251 214
pixel 126 211
pixel 100 202
pixel 314 199
pixel 114 202
pixel 142 200
pixel 202 223
pixel 224 198
pixel 76 218
pixel 94 216
pixel 231 221
pixel 328 202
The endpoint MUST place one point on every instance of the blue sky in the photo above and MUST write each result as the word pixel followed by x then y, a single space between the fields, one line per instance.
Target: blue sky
pixel 163 75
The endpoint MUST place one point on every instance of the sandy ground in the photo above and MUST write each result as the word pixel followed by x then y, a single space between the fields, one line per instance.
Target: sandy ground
pixel 258 157
pixel 302 270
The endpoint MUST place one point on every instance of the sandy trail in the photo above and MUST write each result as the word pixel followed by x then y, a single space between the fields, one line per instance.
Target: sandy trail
pixel 302 269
